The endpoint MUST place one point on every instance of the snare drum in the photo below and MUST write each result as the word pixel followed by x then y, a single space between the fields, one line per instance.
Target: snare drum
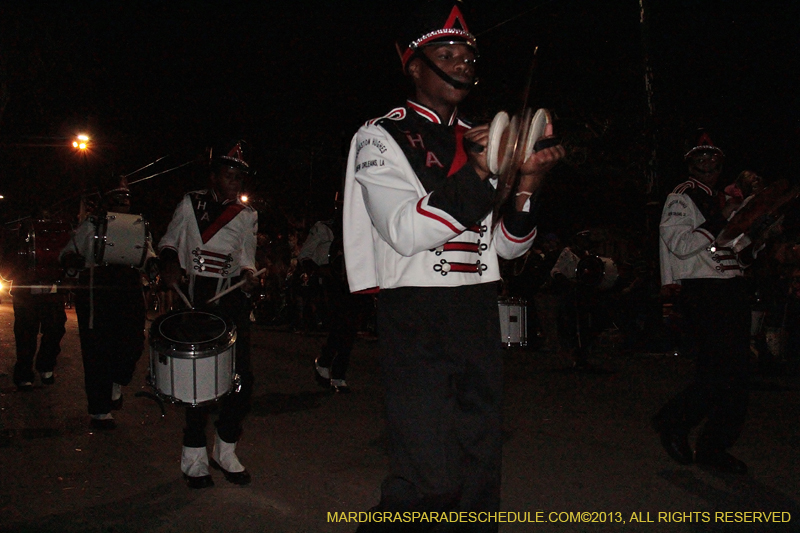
pixel 513 321
pixel 192 356
pixel 121 239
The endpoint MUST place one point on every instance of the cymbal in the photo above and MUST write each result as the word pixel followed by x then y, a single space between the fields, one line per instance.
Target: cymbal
pixel 512 140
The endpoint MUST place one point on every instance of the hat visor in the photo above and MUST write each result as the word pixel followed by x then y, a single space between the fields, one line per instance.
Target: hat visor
pixel 233 163
pixel 436 40
pixel 703 149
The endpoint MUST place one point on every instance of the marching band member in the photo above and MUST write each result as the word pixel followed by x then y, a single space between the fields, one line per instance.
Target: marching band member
pixel 38 308
pixel 212 239
pixel 111 312
pixel 418 227
pixel 713 295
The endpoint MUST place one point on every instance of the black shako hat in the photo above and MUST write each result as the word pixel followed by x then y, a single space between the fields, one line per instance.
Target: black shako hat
pixel 233 154
pixel 433 21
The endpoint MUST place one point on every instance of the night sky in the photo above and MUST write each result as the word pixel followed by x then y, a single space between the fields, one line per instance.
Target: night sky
pixel 153 79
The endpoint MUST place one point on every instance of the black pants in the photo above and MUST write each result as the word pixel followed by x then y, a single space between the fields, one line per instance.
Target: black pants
pixel 234 407
pixel 442 370
pixel 35 313
pixel 112 337
pixel 718 315
pixel 345 314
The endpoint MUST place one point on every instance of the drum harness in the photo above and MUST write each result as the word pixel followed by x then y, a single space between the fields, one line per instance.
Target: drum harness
pixel 223 284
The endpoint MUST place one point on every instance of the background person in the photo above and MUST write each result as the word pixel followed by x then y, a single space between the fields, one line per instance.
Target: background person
pixel 713 296
pixel 109 304
pixel 38 305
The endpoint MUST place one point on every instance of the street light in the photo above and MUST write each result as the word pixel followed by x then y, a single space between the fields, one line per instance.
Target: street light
pixel 81 142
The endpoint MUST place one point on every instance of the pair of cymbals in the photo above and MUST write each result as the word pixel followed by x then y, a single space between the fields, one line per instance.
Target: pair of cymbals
pixel 512 140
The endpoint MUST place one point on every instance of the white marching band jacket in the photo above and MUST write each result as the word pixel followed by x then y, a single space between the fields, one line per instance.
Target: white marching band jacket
pixel 400 233
pixel 688 232
pixel 227 243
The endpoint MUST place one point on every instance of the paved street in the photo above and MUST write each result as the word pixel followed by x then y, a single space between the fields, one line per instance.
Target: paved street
pixel 573 443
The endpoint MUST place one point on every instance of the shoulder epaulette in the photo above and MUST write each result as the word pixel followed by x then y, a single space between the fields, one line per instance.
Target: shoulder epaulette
pixel 398 113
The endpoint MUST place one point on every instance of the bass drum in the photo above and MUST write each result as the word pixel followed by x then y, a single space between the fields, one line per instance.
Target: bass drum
pixel 597 272
pixel 121 239
pixel 44 241
pixel 192 357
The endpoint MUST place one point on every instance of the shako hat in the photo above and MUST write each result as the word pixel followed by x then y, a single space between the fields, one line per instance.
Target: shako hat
pixel 434 21
pixel 703 144
pixel 110 185
pixel 233 154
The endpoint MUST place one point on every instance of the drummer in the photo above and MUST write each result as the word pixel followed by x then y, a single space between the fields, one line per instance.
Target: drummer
pixel 110 308
pixel 211 240
pixel 713 296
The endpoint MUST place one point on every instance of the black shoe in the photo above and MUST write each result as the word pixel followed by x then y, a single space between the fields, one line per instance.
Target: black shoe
pixel 721 460
pixel 237 478
pixel 24 386
pixel 675 443
pixel 198 482
pixel 103 424
pixel 48 378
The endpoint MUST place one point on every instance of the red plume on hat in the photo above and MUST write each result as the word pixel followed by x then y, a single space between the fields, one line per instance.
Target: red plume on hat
pixel 435 21
pixel 704 144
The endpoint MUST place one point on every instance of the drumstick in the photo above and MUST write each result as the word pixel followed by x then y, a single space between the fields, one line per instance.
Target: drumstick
pixel 183 296
pixel 234 287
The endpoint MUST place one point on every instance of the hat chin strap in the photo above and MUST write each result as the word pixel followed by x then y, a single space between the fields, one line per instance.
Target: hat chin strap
pixel 462 85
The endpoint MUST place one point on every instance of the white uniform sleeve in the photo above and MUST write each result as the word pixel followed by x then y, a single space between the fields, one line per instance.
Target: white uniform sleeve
pixel 395 199
pixel 680 227
pixel 509 246
pixel 176 231
pixel 247 257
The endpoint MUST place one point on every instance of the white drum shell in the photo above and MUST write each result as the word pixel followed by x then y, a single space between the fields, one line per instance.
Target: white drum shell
pixel 193 374
pixel 513 322
pixel 121 239
pixel 192 380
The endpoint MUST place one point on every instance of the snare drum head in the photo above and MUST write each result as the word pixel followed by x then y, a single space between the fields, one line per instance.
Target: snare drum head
pixel 193 333
pixel 192 327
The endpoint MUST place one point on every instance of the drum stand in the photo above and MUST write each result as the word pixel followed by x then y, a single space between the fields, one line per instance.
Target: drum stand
pixel 155 398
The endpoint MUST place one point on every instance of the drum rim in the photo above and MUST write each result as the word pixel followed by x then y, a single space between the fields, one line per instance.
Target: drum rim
pixel 186 350
pixel 512 301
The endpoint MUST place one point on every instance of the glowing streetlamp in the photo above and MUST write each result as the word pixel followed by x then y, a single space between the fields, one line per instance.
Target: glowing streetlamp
pixel 81 142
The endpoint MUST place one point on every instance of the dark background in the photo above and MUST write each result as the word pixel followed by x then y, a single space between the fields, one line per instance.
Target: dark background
pixel 296 79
